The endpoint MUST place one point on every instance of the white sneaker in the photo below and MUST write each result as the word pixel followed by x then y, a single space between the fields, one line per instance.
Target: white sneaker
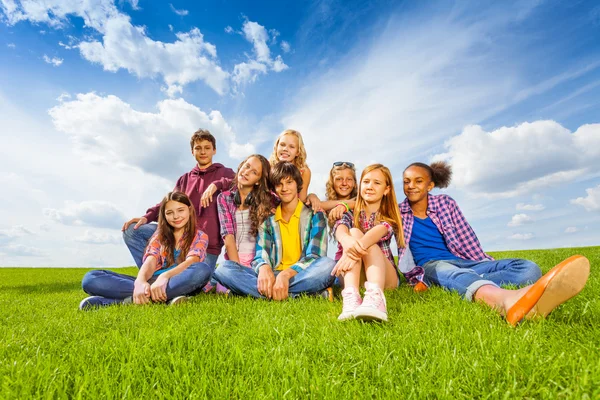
pixel 373 307
pixel 178 300
pixel 351 300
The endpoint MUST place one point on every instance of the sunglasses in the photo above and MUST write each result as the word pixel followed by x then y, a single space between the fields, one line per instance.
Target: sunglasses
pixel 342 163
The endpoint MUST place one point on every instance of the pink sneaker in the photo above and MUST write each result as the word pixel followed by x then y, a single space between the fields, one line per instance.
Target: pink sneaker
pixel 351 300
pixel 373 307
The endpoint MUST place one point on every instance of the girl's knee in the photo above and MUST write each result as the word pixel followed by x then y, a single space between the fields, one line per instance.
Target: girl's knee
pixel 530 271
pixel 88 281
pixel 201 271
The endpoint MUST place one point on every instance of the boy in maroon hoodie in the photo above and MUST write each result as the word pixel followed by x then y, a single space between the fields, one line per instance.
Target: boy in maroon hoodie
pixel 202 185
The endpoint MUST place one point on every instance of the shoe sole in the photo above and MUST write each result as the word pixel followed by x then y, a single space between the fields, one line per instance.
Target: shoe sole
pixel 560 284
pixel 178 300
pixel 345 317
pixel 370 314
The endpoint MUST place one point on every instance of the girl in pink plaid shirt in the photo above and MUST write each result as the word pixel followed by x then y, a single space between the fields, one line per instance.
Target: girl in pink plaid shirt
pixel 447 253
pixel 365 237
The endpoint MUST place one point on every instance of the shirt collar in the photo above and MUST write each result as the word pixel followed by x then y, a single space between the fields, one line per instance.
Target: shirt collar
pixel 297 211
pixel 432 205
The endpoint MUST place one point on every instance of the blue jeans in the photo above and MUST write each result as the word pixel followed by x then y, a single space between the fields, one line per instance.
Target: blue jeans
pixel 117 286
pixel 137 240
pixel 467 276
pixel 243 281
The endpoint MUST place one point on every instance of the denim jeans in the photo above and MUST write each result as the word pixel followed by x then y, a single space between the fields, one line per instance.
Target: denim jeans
pixel 467 276
pixel 243 281
pixel 137 240
pixel 117 286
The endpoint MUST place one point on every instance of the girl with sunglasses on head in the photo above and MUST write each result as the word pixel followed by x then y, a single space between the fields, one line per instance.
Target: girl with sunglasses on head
pixel 365 236
pixel 340 193
pixel 172 267
pixel 448 253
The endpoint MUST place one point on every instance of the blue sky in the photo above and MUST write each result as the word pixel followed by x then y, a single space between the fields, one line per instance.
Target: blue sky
pixel 98 100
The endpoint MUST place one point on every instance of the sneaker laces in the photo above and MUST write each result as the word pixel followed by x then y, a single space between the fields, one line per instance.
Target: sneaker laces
pixel 351 300
pixel 374 298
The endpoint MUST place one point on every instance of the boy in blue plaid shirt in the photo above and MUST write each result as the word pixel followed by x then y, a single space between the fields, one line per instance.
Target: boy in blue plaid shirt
pixel 291 248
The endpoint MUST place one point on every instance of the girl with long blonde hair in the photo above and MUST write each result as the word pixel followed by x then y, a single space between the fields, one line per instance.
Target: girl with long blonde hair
pixel 365 235
pixel 289 147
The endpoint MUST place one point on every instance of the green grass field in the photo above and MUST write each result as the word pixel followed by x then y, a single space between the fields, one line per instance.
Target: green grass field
pixel 435 345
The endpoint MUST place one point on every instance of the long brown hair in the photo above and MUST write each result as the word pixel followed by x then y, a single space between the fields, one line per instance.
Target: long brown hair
pixel 388 209
pixel 262 199
pixel 166 235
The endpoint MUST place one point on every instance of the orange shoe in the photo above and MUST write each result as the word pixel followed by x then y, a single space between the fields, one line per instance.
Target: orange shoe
pixel 420 287
pixel 561 283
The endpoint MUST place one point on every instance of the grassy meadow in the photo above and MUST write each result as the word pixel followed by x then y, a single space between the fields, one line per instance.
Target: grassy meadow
pixel 434 346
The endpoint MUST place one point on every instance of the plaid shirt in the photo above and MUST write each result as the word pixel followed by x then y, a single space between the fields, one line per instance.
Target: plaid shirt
pixel 366 225
pixel 197 249
pixel 313 231
pixel 227 208
pixel 450 221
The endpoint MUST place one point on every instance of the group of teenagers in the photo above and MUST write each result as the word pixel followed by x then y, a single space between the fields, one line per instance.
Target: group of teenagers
pixel 276 236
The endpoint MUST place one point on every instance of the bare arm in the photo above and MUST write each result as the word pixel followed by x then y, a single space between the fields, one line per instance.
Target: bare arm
pixel 231 248
pixel 373 236
pixel 141 287
pixel 305 183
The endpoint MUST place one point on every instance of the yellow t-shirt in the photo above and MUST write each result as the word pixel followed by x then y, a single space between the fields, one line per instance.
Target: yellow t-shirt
pixel 290 237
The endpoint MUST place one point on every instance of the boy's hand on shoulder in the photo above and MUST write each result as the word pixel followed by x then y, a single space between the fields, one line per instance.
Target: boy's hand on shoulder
pixel 207 195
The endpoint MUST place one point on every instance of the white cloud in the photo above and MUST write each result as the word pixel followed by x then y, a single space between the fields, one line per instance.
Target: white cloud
pixel 278 65
pixel 17 231
pixel 591 202
pixel 571 229
pixel 125 46
pixel 238 152
pixel 521 236
pixel 54 60
pixel 247 72
pixel 19 250
pixel 514 160
pixel 13 233
pixel 100 214
pixel 109 131
pixel 181 13
pixel 172 90
pixel 187 60
pixel 63 96
pixel 171 27
pixel 285 46
pixel 520 219
pixel 55 12
pixel 11 45
pixel 530 207
pixel 258 36
pixel 98 238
